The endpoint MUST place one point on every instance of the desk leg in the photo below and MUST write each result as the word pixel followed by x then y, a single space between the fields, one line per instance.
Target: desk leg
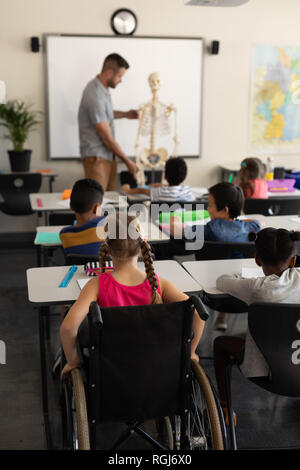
pixel 44 312
pixel 51 179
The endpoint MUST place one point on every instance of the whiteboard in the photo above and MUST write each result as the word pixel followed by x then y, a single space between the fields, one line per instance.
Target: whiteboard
pixel 72 61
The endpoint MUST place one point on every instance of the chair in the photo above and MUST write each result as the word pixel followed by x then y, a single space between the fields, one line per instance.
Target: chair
pixel 280 348
pixel 15 190
pixel 273 206
pixel 225 250
pixel 61 218
pixel 138 368
pixel 80 259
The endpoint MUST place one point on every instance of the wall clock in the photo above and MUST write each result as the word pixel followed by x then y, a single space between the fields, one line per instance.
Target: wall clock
pixel 124 22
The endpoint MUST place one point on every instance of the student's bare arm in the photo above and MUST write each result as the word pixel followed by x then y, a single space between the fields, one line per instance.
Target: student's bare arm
pixel 72 321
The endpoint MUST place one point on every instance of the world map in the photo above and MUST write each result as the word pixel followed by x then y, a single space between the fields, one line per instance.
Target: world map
pixel 275 103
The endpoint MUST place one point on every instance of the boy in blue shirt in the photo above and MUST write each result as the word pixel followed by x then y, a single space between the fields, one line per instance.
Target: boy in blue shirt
pixel 85 202
pixel 225 203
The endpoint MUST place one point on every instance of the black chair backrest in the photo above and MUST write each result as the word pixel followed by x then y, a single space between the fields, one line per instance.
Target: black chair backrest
pixel 222 250
pixel 275 329
pixel 25 182
pixel 80 259
pixel 273 206
pixel 61 218
pixel 140 363
pixel 15 190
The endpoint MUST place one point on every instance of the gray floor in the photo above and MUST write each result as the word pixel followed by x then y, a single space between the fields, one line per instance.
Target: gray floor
pixel 264 420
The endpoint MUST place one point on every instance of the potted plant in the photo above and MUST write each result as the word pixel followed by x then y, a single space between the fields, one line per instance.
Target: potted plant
pixel 19 121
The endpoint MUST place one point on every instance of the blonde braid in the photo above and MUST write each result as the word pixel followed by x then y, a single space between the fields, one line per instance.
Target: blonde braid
pixel 148 262
pixel 104 250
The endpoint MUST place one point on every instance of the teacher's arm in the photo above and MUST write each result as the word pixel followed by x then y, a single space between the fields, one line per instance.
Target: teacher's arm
pixel 103 130
pixel 131 114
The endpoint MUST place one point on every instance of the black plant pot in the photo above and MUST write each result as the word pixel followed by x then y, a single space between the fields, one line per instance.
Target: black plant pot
pixel 19 161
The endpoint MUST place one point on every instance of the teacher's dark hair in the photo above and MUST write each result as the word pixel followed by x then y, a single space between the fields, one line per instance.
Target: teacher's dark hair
pixel 114 62
pixel 85 194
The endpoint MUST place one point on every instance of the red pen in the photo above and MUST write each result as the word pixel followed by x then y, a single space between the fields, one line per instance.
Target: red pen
pixel 39 202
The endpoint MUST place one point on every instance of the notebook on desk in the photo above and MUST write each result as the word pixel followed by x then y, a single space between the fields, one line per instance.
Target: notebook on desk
pixel 47 238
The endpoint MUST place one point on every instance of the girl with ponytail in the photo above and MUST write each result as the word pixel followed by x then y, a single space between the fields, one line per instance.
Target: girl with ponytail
pixel 276 253
pixel 126 285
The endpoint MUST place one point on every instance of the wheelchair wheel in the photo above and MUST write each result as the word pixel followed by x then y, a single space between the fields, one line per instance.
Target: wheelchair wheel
pixel 76 432
pixel 205 429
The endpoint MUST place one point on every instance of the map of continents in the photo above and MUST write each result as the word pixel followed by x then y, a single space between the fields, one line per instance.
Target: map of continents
pixel 275 111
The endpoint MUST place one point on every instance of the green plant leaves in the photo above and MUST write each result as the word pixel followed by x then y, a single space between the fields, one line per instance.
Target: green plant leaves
pixel 19 121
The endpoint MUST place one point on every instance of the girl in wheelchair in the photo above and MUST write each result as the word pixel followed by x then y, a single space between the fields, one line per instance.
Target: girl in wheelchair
pixel 126 285
pixel 276 254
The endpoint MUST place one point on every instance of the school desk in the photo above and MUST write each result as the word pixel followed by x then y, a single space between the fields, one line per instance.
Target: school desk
pixel 43 291
pixel 43 203
pixel 47 237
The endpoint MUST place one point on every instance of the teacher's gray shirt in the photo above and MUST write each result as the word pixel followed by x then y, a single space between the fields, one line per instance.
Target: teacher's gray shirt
pixel 95 107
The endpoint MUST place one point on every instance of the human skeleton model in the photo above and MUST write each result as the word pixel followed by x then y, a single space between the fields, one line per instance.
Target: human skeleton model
pixel 154 118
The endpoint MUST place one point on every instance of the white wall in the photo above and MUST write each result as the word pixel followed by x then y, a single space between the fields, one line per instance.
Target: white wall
pixel 226 86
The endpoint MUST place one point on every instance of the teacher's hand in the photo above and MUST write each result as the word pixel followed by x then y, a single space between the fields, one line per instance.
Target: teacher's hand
pixel 132 114
pixel 132 168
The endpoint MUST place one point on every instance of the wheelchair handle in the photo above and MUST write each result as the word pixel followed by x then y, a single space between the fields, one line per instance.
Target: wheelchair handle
pixel 95 314
pixel 200 307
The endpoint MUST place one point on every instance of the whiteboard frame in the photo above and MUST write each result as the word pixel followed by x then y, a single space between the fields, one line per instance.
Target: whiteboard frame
pixel 47 107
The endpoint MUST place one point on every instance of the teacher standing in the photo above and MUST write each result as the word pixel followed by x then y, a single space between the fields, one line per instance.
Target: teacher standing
pixel 98 147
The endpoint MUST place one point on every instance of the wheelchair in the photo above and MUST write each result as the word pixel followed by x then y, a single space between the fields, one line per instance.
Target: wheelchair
pixel 136 370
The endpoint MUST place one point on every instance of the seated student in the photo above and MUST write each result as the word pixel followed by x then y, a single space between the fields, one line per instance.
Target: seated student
pixel 175 174
pixel 251 179
pixel 276 254
pixel 86 199
pixel 126 285
pixel 225 203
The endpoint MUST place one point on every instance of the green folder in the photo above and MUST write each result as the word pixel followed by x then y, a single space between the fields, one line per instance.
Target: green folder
pixel 186 216
pixel 45 238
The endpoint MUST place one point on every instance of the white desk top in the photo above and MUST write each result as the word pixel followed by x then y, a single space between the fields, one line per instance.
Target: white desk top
pixel 42 283
pixel 151 232
pixel 54 202
pixel 206 272
pixel 294 194
pixel 289 222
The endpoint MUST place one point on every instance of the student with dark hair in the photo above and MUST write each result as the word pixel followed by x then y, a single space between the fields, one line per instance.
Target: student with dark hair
pixel 85 202
pixel 175 174
pixel 251 179
pixel 225 203
pixel 276 254
pixel 98 147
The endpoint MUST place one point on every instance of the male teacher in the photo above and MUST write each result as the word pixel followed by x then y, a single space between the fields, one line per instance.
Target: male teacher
pixel 98 146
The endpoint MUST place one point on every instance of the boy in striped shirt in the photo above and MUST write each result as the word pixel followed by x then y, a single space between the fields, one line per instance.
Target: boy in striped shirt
pixel 175 174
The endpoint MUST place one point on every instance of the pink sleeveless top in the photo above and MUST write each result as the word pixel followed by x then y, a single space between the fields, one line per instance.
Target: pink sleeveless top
pixel 113 294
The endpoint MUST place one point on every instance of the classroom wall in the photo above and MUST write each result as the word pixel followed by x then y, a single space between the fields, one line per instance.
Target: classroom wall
pixel 226 84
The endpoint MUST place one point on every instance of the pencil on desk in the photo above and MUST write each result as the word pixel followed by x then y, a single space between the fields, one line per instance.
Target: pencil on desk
pixel 68 276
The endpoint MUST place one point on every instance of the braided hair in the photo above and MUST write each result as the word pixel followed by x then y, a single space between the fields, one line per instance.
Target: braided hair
pixel 128 247
pixel 149 268
pixel 275 246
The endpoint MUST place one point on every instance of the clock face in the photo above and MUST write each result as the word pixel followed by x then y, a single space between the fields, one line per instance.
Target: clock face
pixel 123 22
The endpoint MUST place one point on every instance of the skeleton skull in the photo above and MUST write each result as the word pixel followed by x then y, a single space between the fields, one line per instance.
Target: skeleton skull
pixel 154 81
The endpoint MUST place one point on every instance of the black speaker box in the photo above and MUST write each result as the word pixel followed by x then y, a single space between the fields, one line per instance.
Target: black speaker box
pixel 215 47
pixel 35 44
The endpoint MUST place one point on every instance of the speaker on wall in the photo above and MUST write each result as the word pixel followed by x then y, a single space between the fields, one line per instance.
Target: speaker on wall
pixel 215 47
pixel 35 44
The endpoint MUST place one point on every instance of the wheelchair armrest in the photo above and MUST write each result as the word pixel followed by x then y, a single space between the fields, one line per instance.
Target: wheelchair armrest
pixel 200 307
pixel 95 314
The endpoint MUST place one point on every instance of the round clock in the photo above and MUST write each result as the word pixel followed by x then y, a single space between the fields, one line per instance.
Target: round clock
pixel 124 22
